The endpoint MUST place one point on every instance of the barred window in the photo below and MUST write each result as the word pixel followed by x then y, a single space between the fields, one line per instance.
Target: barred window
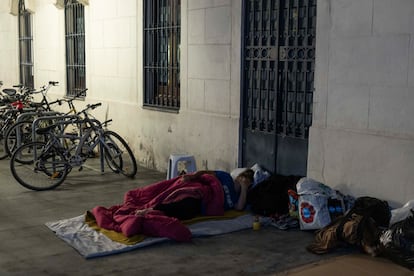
pixel 25 46
pixel 75 48
pixel 162 20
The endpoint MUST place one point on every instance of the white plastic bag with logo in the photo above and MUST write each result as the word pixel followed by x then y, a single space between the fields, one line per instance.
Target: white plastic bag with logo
pixel 313 204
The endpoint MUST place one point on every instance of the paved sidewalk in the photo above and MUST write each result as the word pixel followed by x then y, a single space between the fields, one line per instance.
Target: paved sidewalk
pixel 353 264
pixel 28 247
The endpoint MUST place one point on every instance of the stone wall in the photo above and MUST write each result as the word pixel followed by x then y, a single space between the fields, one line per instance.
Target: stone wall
pixel 362 139
pixel 208 120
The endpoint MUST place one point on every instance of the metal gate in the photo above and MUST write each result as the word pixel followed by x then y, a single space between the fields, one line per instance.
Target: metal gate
pixel 277 83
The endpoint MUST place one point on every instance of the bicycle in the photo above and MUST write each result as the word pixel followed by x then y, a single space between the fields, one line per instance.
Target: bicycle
pixel 10 95
pixel 21 132
pixel 45 165
pixel 23 105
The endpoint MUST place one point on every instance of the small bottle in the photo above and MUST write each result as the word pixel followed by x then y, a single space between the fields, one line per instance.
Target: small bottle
pixel 256 223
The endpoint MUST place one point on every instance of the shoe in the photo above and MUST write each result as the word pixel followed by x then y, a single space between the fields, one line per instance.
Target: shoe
pixel 292 223
pixel 285 222
pixel 280 224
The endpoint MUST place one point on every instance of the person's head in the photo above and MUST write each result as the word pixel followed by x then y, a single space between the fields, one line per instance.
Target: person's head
pixel 245 178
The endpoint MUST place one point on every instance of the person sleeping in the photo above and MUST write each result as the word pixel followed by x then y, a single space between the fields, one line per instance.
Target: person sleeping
pixel 235 194
pixel 159 208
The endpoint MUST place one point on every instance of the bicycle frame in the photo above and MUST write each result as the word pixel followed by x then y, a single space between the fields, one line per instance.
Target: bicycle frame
pixel 40 165
pixel 75 159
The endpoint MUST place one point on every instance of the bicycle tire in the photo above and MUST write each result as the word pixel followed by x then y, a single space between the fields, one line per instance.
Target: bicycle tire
pixel 3 153
pixel 45 172
pixel 108 160
pixel 18 134
pixel 3 131
pixel 118 155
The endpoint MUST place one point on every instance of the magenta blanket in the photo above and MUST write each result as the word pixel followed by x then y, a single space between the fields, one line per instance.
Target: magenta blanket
pixel 122 218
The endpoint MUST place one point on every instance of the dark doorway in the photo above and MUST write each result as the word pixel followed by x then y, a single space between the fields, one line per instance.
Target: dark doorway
pixel 277 83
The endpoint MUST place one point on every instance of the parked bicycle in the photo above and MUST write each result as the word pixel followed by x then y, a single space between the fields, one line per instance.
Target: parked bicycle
pixel 22 105
pixel 45 165
pixel 10 95
pixel 21 132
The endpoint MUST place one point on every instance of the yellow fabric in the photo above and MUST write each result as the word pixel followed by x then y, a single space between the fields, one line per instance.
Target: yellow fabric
pixel 119 237
pixel 113 235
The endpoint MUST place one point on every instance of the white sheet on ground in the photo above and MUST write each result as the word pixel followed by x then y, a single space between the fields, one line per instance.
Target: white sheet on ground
pixel 90 243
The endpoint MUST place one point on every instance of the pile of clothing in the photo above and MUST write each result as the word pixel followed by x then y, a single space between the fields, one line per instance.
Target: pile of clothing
pixel 365 223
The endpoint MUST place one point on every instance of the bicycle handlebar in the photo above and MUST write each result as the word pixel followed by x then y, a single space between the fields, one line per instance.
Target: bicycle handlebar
pixel 89 106
pixel 58 101
pixel 93 106
pixel 106 122
pixel 45 88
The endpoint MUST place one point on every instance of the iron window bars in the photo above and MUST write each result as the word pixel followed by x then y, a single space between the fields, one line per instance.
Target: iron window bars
pixel 75 47
pixel 25 46
pixel 162 19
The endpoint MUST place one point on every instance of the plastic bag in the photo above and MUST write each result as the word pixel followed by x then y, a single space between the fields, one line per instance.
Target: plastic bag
pixel 402 213
pixel 293 204
pixel 307 185
pixel 313 204
pixel 398 242
pixel 313 211
pixel 260 174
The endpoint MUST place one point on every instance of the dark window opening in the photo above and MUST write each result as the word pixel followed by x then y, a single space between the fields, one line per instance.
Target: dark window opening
pixel 25 46
pixel 162 21
pixel 75 48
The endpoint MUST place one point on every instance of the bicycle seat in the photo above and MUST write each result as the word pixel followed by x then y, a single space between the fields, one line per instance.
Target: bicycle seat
pixel 9 91
pixel 45 130
pixel 36 105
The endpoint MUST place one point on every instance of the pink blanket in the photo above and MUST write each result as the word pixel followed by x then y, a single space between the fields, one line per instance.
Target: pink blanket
pixel 122 218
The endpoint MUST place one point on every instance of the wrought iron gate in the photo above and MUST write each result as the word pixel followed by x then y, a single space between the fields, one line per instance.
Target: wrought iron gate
pixel 278 83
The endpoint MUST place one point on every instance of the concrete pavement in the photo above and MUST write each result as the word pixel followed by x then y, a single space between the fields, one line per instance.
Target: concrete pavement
pixel 28 247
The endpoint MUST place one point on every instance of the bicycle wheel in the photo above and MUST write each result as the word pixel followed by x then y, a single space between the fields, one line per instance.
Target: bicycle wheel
pixel 20 133
pixel 118 155
pixel 3 153
pixel 38 168
pixel 108 158
pixel 3 129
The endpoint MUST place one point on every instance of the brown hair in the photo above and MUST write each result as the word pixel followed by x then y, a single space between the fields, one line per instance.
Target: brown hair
pixel 249 173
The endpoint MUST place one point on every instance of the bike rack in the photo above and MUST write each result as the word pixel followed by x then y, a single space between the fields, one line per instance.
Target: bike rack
pixel 70 119
pixel 30 115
